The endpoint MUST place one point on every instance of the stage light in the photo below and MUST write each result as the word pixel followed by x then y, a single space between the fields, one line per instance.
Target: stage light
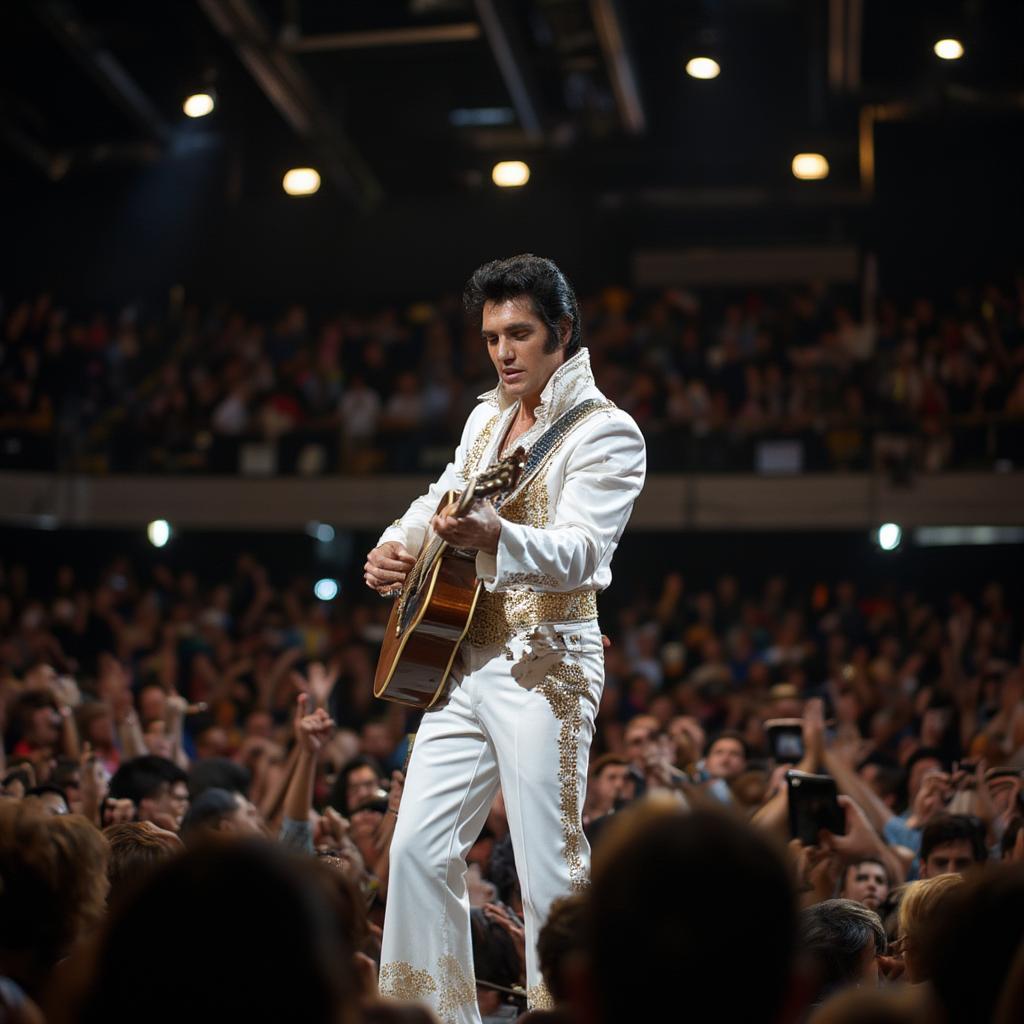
pixel 810 167
pixel 301 181
pixel 510 174
pixel 889 536
pixel 326 589
pixel 949 49
pixel 323 532
pixel 198 104
pixel 703 67
pixel 158 532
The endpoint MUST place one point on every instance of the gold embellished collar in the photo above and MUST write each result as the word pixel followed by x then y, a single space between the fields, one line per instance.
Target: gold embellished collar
pixel 561 392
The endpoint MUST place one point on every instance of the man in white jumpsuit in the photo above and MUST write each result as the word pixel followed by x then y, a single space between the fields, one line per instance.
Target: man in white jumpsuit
pixel 519 712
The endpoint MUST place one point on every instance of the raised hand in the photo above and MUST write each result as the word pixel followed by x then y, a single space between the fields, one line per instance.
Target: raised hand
pixel 319 683
pixel 311 731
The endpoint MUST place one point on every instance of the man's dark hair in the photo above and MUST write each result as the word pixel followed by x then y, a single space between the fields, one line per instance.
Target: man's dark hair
pixel 338 798
pixel 948 828
pixel 495 959
pixel 728 734
pixel 47 787
pixel 536 278
pixel 218 773
pixel 137 848
pixel 925 754
pixel 254 911
pixel 207 811
pixel 671 891
pixel 560 938
pixel 141 778
pixel 833 935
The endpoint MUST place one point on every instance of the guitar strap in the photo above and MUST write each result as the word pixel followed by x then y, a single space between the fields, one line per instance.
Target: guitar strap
pixel 552 439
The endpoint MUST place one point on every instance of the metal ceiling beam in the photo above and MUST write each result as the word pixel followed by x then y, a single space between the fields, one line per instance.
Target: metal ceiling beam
pixel 415 35
pixel 286 86
pixel 64 23
pixel 510 54
pixel 620 65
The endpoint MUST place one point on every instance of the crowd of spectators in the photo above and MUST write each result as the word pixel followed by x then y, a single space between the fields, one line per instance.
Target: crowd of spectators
pixel 924 385
pixel 198 795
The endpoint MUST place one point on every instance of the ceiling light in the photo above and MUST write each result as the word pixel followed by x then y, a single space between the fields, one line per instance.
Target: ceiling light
pixel 949 49
pixel 158 532
pixel 810 166
pixel 889 536
pixel 325 589
pixel 703 67
pixel 198 104
pixel 510 174
pixel 301 181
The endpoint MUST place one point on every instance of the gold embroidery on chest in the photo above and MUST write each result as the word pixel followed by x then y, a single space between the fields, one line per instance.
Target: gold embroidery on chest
pixel 477 448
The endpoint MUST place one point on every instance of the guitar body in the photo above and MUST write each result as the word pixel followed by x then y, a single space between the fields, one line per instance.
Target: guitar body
pixel 428 622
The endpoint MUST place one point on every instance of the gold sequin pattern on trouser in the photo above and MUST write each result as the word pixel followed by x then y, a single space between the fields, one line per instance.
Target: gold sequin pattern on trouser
pixel 564 687
pixel 400 980
pixel 456 989
pixel 539 998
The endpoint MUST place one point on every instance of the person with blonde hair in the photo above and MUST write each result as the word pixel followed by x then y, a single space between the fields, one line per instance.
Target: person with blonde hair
pixel 919 908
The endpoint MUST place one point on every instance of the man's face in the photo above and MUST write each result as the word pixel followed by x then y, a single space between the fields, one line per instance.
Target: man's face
pixel 726 760
pixel 516 339
pixel 867 884
pixel 607 786
pixel 44 727
pixel 169 804
pixel 638 736
pixel 361 785
pixel 246 821
pixel 952 858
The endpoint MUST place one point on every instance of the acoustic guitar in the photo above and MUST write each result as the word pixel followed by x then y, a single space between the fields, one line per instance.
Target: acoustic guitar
pixel 433 609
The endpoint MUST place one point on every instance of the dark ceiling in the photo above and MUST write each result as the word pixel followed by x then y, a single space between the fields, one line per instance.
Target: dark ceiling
pixel 388 109
pixel 592 93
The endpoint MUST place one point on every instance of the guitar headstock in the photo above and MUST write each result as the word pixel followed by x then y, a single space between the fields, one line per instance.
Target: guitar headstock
pixel 500 478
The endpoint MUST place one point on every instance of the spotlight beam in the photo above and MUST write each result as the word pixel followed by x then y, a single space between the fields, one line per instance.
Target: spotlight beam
pixel 513 64
pixel 289 89
pixel 620 66
pixel 62 21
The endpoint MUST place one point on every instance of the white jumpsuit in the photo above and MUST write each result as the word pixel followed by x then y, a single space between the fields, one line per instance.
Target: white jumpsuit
pixel 520 709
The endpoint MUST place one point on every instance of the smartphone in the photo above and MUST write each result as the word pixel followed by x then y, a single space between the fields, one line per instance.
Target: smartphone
pixel 785 739
pixel 813 806
pixel 1003 773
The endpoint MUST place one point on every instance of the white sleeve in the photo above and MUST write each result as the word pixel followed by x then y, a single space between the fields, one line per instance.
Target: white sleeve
pixel 411 529
pixel 603 476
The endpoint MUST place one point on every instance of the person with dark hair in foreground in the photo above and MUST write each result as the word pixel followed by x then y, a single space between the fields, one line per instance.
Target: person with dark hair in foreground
pixel 521 706
pixel 683 902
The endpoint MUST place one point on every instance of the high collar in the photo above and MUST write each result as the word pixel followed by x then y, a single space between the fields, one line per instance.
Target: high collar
pixel 562 391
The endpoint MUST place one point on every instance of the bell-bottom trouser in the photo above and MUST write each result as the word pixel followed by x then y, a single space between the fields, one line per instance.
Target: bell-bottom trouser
pixel 518 716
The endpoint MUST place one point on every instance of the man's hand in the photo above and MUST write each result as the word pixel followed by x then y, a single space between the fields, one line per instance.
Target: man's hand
pixel 318 683
pixel 860 842
pixel 311 731
pixel 387 566
pixel 478 530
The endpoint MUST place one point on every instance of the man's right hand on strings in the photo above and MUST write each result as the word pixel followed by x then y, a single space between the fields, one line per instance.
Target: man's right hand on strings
pixel 387 566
